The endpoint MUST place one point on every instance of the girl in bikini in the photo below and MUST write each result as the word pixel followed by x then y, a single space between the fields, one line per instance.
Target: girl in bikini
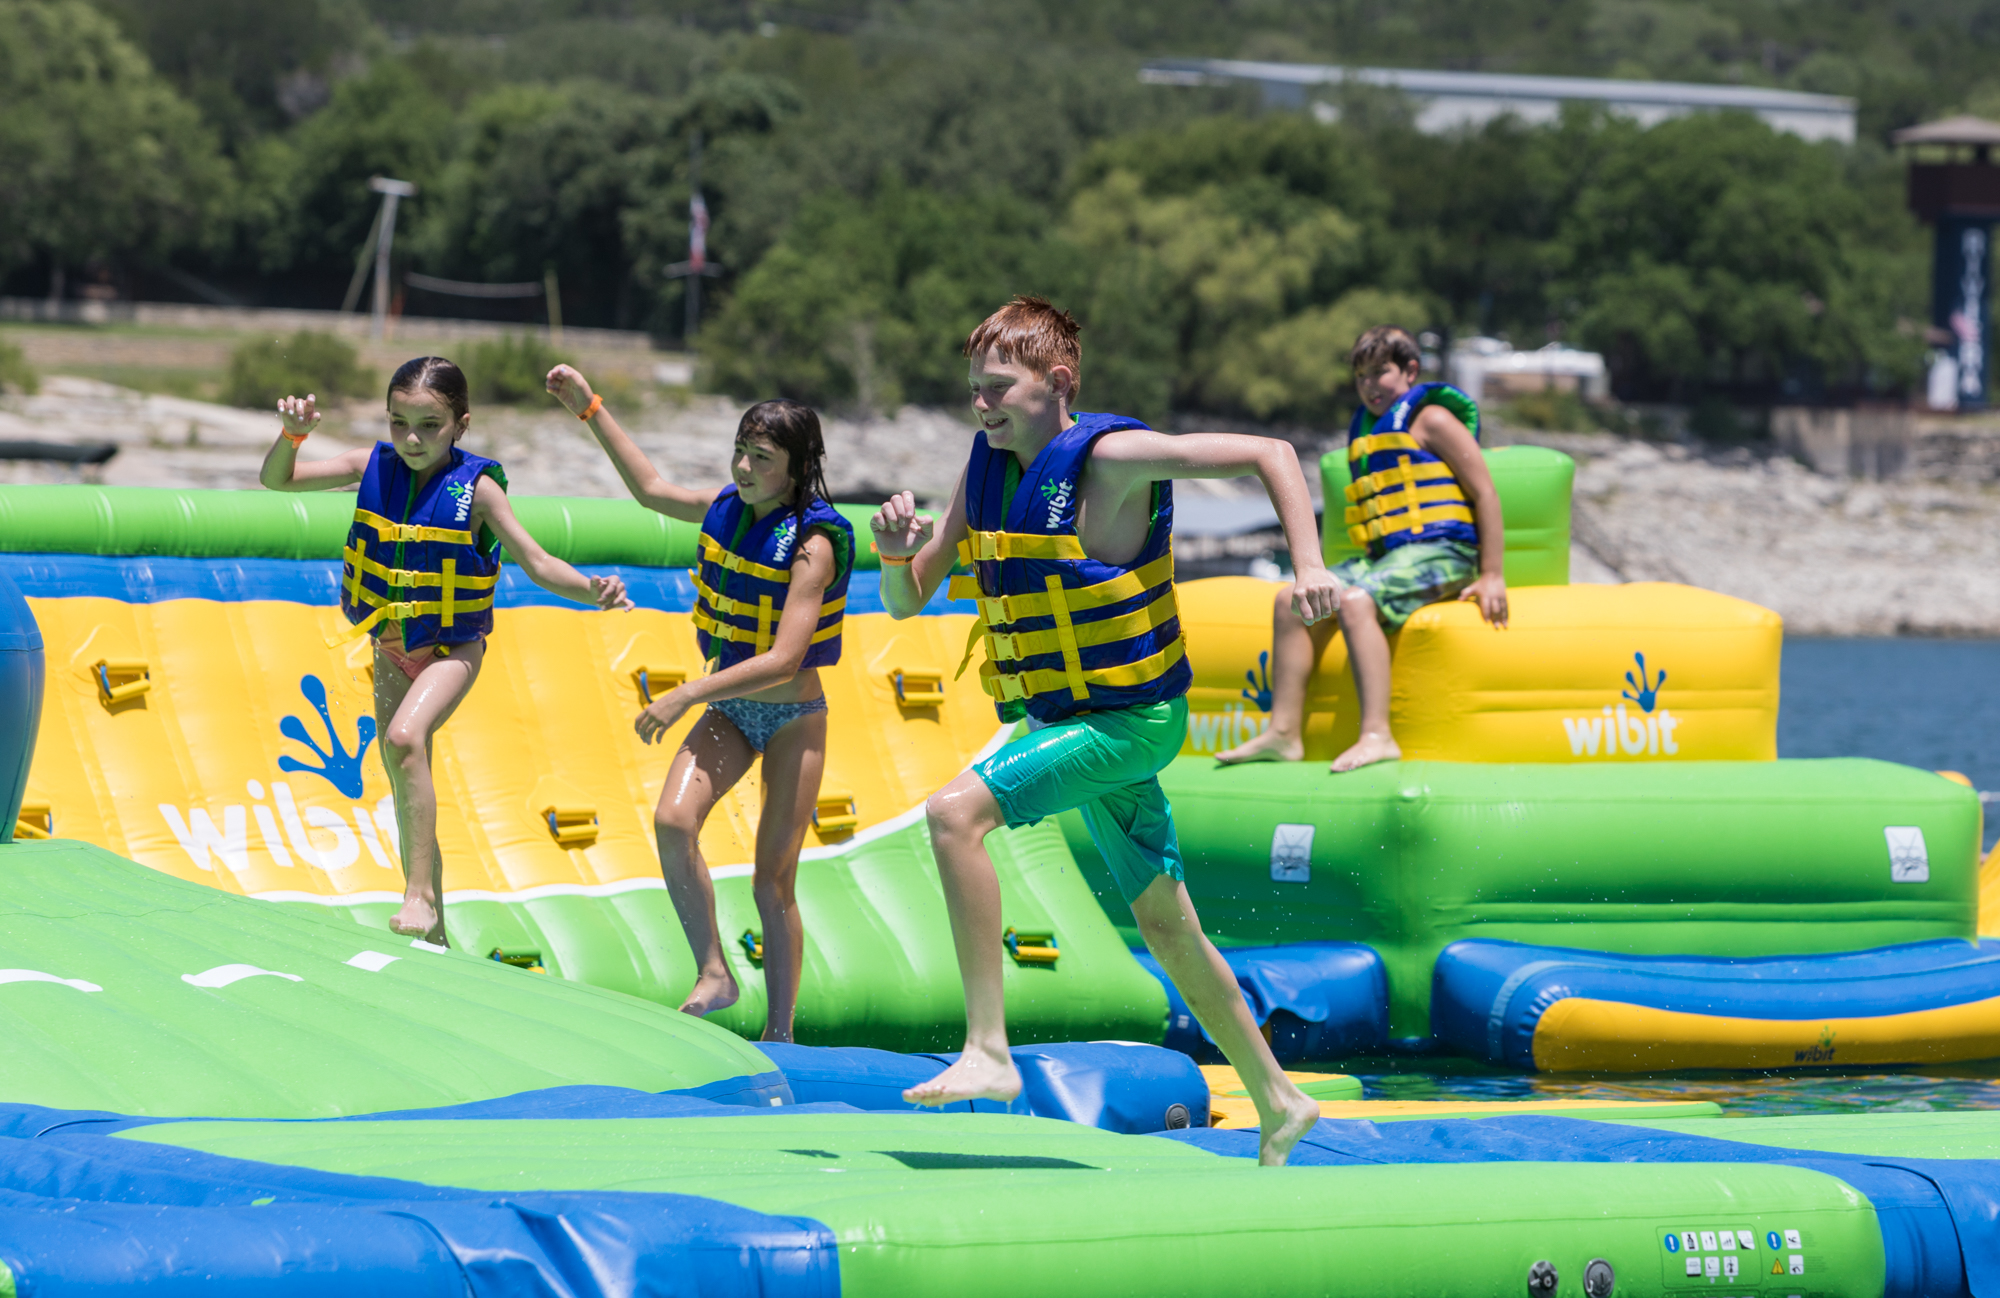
pixel 418 573
pixel 770 591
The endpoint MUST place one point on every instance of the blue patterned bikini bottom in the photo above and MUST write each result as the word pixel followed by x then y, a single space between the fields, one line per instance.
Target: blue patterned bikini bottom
pixel 759 721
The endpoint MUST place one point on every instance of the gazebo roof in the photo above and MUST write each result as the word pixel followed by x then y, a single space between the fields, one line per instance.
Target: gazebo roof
pixel 1963 129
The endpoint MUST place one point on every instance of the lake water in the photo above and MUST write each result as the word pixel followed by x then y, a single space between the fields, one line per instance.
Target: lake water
pixel 1927 703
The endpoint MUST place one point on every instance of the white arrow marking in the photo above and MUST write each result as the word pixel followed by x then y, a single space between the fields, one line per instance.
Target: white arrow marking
pixel 224 974
pixel 373 961
pixel 422 945
pixel 37 976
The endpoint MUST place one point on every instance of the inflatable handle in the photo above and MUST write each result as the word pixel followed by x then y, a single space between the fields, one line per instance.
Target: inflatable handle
pixel 518 957
pixel 753 946
pixel 572 826
pixel 651 682
pixel 835 814
pixel 136 678
pixel 918 689
pixel 35 822
pixel 1031 948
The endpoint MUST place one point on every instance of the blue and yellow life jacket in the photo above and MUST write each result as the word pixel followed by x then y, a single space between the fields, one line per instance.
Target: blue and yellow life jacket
pixel 1065 633
pixel 746 568
pixel 410 557
pixel 1402 493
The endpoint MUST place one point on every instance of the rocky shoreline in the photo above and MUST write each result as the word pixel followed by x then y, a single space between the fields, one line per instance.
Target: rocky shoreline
pixel 1836 556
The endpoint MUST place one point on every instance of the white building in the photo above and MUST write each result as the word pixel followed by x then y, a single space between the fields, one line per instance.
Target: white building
pixel 1488 369
pixel 1448 100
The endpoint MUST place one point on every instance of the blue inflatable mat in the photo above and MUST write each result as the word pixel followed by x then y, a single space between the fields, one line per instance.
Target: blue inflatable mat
pixel 1487 997
pixel 93 1212
pixel 1320 1000
pixel 1112 1085
pixel 149 579
pixel 1940 1218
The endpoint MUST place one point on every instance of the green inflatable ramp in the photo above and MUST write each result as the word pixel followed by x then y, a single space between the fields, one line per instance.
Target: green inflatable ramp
pixel 994 1207
pixel 1660 858
pixel 133 991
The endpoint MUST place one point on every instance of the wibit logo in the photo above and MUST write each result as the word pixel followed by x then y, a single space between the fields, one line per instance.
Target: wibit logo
pixel 788 531
pixel 322 837
pixel 1260 683
pixel 1620 732
pixel 339 768
pixel 1210 732
pixel 462 493
pixel 1059 495
pixel 1822 1053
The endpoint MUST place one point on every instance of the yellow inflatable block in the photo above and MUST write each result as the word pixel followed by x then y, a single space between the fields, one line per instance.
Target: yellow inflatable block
pixel 1643 672
pixel 1580 1035
pixel 248 760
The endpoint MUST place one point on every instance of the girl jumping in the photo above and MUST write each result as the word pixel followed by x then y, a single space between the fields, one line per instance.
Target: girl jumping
pixel 770 591
pixel 418 574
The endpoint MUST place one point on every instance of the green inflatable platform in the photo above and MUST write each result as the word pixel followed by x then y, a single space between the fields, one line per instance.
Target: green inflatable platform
pixel 133 991
pixel 1689 858
pixel 981 1206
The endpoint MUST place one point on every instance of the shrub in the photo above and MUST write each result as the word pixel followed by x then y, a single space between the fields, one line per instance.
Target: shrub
pixel 308 362
pixel 510 369
pixel 16 375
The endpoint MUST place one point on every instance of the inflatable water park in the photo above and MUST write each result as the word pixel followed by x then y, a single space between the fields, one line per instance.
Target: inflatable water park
pixel 224 1074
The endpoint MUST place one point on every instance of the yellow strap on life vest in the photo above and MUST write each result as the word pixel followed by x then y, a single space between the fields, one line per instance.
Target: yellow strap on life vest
pixel 738 635
pixel 388 530
pixel 1382 505
pixel 1066 637
pixel 715 552
pixel 1363 447
pixel 727 607
pixel 358 559
pixel 999 610
pixel 1377 528
pixel 1013 646
pixel 1368 485
pixel 1012 686
pixel 1020 545
pixel 402 611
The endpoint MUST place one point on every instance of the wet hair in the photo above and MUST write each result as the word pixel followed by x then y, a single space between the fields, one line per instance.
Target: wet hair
pixel 793 428
pixel 1032 332
pixel 437 376
pixel 1384 345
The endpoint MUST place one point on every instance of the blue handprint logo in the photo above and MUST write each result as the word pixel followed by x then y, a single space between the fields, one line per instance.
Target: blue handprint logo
pixel 339 768
pixel 1647 695
pixel 1260 683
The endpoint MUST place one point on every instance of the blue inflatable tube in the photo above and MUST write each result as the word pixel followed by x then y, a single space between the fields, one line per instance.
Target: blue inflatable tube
pixel 1488 998
pixel 1319 1000
pixel 1117 1086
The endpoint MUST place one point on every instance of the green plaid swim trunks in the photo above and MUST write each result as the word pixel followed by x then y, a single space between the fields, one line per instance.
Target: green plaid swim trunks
pixel 1410 576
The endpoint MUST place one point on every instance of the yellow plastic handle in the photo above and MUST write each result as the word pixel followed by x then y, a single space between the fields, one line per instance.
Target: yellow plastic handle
pixel 836 815
pixel 134 677
pixel 918 689
pixel 571 826
pixel 1031 948
pixel 653 682
pixel 35 822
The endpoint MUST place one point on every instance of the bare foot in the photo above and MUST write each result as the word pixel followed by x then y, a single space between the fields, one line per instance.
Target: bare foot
pixel 1371 748
pixel 1274 1144
pixel 1268 746
pixel 978 1075
pixel 711 992
pixel 419 918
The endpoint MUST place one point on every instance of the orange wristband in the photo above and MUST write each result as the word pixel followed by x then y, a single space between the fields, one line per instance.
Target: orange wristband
pixel 894 561
pixel 296 439
pixel 590 411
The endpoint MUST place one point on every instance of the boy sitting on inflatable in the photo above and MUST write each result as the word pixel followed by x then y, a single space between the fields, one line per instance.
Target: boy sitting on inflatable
pixel 1423 506
pixel 1067 521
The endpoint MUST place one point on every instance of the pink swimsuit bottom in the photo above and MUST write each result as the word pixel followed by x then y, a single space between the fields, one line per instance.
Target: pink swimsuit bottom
pixel 410 664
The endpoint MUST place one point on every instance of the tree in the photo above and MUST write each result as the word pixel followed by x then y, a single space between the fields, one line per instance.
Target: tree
pixel 99 158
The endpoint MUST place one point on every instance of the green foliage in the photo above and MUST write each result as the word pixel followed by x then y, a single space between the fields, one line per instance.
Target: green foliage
pixel 321 364
pixel 511 369
pixel 16 375
pixel 98 156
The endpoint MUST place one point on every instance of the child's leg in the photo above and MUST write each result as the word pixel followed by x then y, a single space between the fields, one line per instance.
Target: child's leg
pixel 710 761
pixel 408 714
pixel 794 759
pixel 1173 934
pixel 1295 650
pixel 1368 655
pixel 961 815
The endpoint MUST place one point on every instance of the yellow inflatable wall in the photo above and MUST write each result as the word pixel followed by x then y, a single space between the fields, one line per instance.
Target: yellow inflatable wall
pixel 1648 671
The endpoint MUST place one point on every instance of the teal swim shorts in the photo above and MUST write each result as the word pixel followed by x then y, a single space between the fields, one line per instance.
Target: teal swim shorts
pixel 1411 576
pixel 1106 765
